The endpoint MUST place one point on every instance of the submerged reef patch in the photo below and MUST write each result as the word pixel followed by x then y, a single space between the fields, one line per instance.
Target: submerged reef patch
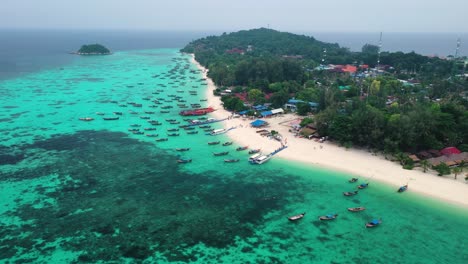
pixel 121 198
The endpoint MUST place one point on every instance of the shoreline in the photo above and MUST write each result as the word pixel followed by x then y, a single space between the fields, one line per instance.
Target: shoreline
pixel 328 155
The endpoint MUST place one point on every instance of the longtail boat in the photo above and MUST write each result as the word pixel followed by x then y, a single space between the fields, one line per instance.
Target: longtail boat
pixel 328 217
pixel 182 149
pixel 86 119
pixel 253 151
pixel 403 188
pixel 242 148
pixel 296 217
pixel 356 209
pixel 363 185
pixel 110 118
pixel 231 160
pixel 350 193
pixel 221 153
pixel 373 223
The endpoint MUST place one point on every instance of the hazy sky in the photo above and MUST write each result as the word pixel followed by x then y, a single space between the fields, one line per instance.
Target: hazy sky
pixel 287 15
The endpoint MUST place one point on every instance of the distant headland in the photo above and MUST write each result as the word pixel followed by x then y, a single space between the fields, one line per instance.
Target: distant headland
pixel 93 49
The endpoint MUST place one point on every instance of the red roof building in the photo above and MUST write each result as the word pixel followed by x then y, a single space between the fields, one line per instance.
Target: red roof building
pixel 350 69
pixel 450 150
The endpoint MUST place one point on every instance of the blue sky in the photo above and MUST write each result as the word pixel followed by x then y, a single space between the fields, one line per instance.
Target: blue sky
pixel 220 15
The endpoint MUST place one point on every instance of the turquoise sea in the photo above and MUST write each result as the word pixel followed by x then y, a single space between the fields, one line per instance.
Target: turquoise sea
pixel 94 192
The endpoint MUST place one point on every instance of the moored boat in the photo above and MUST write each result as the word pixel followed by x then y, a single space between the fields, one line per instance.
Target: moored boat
pixel 152 135
pixel 356 209
pixel 86 118
pixel 213 143
pixel 231 160
pixel 350 193
pixel 253 157
pixel 242 148
pixel 173 135
pixel 173 130
pixel 296 217
pixel 403 188
pixel 184 160
pixel 373 223
pixel 353 180
pixel 363 185
pixel 110 118
pixel 154 122
pixel 221 153
pixel 227 143
pixel 253 151
pixel 192 132
pixel 162 139
pixel 182 149
pixel 261 159
pixel 328 217
pixel 196 112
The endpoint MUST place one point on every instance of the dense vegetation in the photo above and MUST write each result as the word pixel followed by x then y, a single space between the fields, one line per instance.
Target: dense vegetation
pixel 93 49
pixel 375 110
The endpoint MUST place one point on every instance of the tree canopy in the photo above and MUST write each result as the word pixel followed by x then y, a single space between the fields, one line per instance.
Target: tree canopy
pixel 93 49
pixel 415 103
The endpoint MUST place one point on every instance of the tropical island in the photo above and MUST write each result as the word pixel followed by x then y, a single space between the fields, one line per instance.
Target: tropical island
pixel 403 107
pixel 93 49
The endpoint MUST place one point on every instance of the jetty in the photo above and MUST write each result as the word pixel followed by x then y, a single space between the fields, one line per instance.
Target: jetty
pixel 220 131
pixel 208 121
pixel 260 159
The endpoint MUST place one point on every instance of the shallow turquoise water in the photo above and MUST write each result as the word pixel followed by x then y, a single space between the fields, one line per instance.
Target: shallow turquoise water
pixel 92 191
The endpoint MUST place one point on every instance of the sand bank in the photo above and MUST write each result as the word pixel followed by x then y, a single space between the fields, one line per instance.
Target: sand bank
pixel 361 163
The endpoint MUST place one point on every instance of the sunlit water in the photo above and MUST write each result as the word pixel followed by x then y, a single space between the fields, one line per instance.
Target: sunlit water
pixel 76 191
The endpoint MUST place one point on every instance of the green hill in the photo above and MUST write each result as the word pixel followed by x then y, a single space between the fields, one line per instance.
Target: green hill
pixel 264 41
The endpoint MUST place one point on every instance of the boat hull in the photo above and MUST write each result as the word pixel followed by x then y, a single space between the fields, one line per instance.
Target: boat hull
pixel 296 217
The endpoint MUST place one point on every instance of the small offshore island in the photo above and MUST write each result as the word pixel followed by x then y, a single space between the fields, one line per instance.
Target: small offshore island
pixel 93 49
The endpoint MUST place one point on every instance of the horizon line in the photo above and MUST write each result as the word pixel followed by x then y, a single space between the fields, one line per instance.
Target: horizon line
pixel 296 31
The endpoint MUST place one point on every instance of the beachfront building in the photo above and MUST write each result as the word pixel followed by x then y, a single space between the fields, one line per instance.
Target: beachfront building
pixel 272 112
pixel 258 123
pixel 451 160
pixel 292 105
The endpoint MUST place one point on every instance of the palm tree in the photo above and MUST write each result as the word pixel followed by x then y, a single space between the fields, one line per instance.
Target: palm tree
pixel 456 171
pixel 463 164
pixel 424 165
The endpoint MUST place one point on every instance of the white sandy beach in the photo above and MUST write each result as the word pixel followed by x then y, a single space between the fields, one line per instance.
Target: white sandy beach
pixel 354 161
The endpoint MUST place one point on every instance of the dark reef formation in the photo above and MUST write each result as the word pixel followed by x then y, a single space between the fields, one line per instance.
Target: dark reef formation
pixel 113 205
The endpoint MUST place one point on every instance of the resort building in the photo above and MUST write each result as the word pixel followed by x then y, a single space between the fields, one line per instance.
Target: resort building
pixel 272 112
pixel 292 105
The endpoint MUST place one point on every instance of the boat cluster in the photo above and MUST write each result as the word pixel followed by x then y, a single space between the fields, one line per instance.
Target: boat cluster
pixel 333 216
